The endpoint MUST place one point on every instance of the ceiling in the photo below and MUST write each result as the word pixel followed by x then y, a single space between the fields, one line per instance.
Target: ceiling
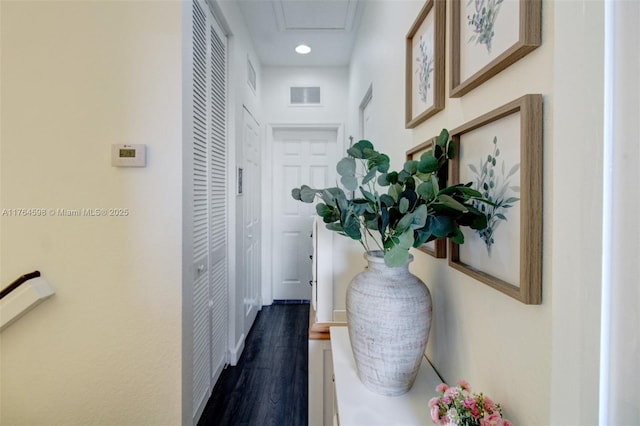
pixel 278 26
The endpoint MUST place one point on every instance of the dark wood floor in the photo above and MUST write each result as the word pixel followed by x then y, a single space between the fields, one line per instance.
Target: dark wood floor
pixel 269 384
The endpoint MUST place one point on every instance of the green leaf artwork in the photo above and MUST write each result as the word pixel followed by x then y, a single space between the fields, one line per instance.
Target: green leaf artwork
pixel 495 187
pixel 482 21
pixel 424 69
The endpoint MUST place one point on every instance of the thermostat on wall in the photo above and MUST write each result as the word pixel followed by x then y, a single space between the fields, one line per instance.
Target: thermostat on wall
pixel 128 155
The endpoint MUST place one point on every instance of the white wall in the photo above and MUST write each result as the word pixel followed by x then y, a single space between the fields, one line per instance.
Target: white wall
pixel 333 86
pixel 540 362
pixel 77 77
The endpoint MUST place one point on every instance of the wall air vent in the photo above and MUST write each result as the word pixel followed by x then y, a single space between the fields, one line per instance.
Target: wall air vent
pixel 304 96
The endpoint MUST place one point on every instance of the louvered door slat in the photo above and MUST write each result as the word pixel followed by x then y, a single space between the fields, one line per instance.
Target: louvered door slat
pixel 208 203
pixel 217 192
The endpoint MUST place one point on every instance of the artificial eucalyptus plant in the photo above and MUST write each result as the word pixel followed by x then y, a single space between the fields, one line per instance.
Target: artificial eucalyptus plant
pixel 414 209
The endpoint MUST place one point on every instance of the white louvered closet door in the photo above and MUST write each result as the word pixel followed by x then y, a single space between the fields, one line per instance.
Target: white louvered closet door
pixel 209 210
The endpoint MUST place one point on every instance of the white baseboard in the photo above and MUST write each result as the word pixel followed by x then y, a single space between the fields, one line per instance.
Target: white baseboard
pixel 339 315
pixel 235 353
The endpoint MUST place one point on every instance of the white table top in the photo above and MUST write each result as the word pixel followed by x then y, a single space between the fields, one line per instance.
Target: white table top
pixel 358 406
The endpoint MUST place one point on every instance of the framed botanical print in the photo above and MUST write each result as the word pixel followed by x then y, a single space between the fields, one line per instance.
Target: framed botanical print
pixel 500 153
pixel 425 67
pixel 489 35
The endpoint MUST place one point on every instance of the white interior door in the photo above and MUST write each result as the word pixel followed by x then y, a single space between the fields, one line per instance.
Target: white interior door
pixel 301 156
pixel 251 218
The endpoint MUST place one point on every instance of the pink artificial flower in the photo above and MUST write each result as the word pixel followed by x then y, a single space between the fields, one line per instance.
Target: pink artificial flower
pixel 489 405
pixel 442 387
pixel 450 393
pixel 493 419
pixel 435 413
pixel 464 385
pixel 506 422
pixel 434 401
pixel 471 403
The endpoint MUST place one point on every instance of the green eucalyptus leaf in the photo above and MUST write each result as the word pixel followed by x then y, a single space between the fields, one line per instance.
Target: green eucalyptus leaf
pixel 411 167
pixel 335 227
pixel 419 217
pixel 363 144
pixel 411 183
pixel 437 151
pixel 422 237
pixel 352 227
pixel 346 167
pixel 451 150
pixel 295 193
pixel 386 200
pixel 405 240
pixel 457 237
pixel 383 180
pixel 394 191
pixel 428 165
pixel 405 223
pixel 435 185
pixel 307 195
pixel 396 257
pixel 427 153
pixel 388 243
pixel 369 176
pixel 443 138
pixel 425 190
pixel 392 177
pixel 349 182
pixel 404 205
pixel 330 196
pixel 440 226
pixel 355 153
pixel 368 195
pixel 382 163
pixel 323 210
pixel 452 203
pixel 357 150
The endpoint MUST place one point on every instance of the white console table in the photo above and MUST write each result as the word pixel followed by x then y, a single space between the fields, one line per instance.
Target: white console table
pixel 358 406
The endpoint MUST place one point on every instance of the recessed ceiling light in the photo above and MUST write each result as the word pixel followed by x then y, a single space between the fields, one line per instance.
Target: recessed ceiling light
pixel 303 49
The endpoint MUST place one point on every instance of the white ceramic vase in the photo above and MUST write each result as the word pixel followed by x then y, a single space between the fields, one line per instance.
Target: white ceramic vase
pixel 389 316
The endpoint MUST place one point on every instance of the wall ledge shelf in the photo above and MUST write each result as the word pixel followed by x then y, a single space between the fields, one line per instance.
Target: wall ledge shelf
pixel 357 405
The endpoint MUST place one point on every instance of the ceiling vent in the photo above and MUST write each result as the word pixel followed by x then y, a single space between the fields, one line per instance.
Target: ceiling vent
pixel 304 95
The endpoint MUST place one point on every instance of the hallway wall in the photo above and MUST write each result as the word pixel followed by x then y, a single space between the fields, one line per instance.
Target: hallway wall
pixel 77 77
pixel 501 346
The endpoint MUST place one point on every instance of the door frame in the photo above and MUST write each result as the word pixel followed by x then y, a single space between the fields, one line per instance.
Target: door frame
pixel 267 202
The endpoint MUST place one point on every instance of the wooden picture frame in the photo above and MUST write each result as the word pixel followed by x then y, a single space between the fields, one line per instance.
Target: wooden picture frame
pixel 508 254
pixel 436 248
pixel 425 64
pixel 482 47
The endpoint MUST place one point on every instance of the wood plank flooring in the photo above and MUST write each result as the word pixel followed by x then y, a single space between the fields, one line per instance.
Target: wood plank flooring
pixel 269 384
